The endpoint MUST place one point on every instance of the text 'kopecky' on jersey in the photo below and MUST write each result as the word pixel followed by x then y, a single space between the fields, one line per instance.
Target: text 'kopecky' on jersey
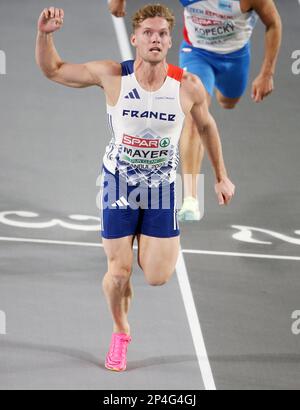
pixel 219 26
pixel 146 128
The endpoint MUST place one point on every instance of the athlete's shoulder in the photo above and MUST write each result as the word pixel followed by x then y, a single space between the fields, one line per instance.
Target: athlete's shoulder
pixel 104 71
pixel 258 5
pixel 109 67
pixel 192 86
pixel 191 81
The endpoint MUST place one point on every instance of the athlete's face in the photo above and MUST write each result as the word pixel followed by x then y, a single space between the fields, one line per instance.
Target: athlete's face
pixel 152 39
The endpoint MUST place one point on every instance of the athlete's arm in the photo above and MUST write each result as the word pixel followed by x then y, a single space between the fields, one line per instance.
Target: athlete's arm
pixel 117 7
pixel 54 68
pixel 194 92
pixel 263 85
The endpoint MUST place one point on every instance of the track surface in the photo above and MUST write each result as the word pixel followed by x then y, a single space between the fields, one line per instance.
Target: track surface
pixel 52 140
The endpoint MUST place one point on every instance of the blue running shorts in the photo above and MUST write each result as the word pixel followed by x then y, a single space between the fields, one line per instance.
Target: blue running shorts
pixel 136 209
pixel 229 73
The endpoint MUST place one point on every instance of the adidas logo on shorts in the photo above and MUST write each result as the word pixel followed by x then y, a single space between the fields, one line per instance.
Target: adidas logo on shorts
pixel 120 203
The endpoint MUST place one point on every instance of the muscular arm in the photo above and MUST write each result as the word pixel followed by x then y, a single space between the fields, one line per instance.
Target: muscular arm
pixel 194 98
pixel 263 85
pixel 206 126
pixel 54 68
pixel 269 15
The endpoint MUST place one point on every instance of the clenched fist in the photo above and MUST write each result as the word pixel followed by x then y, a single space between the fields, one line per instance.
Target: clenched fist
pixel 225 191
pixel 50 20
pixel 117 7
pixel 262 86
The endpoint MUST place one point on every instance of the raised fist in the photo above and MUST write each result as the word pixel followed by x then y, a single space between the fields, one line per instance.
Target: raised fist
pixel 117 7
pixel 50 20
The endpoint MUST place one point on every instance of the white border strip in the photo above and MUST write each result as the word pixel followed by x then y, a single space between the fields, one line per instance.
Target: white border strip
pixel 51 242
pixel 241 255
pixel 122 38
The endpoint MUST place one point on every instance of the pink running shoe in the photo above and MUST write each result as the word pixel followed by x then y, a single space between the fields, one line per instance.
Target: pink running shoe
pixel 116 357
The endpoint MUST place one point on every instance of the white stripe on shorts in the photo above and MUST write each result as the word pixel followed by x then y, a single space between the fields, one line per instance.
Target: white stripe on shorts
pixel 101 201
pixel 175 206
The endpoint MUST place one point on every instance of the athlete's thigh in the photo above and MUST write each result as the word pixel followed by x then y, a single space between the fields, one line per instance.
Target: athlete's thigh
pixel 157 257
pixel 226 102
pixel 159 219
pixel 233 75
pixel 119 215
pixel 194 62
pixel 119 254
pixel 159 234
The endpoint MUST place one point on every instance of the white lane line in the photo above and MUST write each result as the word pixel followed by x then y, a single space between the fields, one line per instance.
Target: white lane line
pixel 241 255
pixel 122 37
pixel 51 242
pixel 194 324
pixel 188 251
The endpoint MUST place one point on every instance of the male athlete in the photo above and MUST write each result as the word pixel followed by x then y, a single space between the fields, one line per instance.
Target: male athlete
pixel 216 48
pixel 147 101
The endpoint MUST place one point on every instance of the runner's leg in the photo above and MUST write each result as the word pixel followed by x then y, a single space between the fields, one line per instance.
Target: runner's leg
pixel 116 282
pixel 157 257
pixel 226 102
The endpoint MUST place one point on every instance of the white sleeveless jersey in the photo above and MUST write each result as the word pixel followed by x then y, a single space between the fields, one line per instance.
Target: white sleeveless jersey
pixel 217 25
pixel 146 128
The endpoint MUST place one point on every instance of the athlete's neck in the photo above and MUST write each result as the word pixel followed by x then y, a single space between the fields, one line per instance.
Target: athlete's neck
pixel 149 75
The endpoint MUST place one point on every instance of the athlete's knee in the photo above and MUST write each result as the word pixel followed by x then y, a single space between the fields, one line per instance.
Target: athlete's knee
pixel 158 279
pixel 119 273
pixel 156 282
pixel 228 105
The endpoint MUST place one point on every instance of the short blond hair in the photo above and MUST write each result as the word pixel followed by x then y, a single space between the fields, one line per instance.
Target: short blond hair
pixel 151 11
